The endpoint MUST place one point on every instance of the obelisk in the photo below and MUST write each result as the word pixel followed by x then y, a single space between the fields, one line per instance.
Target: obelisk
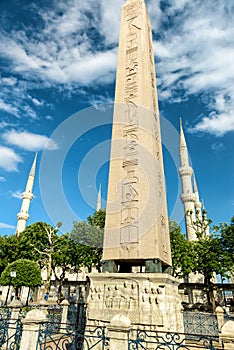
pixel 136 230
pixel 136 237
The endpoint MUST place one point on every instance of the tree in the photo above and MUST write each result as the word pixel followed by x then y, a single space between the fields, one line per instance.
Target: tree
pixel 182 254
pixel 9 250
pixel 28 274
pixel 38 242
pixel 89 241
pixel 66 258
pixel 97 219
pixel 227 241
pixel 209 259
pixel 207 255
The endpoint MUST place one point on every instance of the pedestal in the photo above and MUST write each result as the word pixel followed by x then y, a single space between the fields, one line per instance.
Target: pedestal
pixel 147 299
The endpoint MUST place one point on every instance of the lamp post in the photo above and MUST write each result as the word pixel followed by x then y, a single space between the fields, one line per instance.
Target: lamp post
pixel 12 275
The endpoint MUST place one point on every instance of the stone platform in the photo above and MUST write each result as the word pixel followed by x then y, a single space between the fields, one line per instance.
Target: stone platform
pixel 147 299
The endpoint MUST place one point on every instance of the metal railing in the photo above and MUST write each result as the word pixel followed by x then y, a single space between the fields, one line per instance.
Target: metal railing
pixel 92 338
pixel 153 340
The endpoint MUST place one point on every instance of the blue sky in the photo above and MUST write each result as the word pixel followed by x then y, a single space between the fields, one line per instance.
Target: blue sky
pixel 58 63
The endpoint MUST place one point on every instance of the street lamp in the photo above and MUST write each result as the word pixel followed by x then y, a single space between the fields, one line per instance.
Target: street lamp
pixel 12 275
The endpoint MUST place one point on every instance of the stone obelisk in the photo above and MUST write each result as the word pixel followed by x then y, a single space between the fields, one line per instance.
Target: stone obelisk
pixel 136 231
pixel 136 237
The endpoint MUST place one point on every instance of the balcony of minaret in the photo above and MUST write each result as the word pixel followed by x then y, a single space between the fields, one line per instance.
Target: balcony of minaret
pixel 187 197
pixel 185 171
pixel 27 195
pixel 23 216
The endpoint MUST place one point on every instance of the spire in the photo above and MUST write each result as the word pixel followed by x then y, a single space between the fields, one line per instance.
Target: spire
pixel 99 200
pixel 187 196
pixel 183 147
pixel 33 168
pixel 27 196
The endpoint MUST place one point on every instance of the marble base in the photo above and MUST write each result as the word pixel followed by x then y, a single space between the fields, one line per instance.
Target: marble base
pixel 147 299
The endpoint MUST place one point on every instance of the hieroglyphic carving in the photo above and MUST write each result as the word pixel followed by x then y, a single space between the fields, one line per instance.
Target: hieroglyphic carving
pixel 130 192
pixel 131 113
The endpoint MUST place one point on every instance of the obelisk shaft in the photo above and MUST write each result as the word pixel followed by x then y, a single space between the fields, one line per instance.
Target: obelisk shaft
pixel 136 217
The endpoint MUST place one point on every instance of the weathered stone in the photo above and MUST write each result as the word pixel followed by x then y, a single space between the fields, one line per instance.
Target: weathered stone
pixel 136 228
pixel 144 298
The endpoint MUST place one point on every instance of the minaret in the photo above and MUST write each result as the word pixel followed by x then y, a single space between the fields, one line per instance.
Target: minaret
pixel 187 197
pixel 27 196
pixel 99 199
pixel 197 202
pixel 136 229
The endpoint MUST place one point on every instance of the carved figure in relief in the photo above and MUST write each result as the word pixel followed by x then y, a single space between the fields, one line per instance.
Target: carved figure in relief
pixel 131 56
pixel 131 133
pixel 130 163
pixel 129 193
pixel 131 113
pixel 154 309
pixel 146 309
pixel 133 298
pixel 131 84
pixel 131 148
pixel 129 215
pixel 109 298
pixel 117 298
pixel 129 234
pixel 131 178
pixel 131 39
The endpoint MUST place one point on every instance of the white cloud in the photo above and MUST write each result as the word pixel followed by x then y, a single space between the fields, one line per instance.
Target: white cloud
pixel 8 108
pixel 8 81
pixel 29 141
pixel 3 225
pixel 2 179
pixel 9 160
pixel 215 124
pixel 75 43
pixel 196 56
pixel 100 102
pixel 17 194
pixel 217 146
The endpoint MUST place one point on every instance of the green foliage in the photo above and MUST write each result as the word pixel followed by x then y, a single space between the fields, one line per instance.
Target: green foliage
pixel 88 240
pixel 208 257
pixel 182 253
pixel 28 274
pixel 35 243
pixel 86 234
pixel 97 219
pixel 227 243
pixel 9 250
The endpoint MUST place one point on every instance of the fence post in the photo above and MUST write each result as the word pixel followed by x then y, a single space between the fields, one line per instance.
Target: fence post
pixel 220 316
pixel 15 305
pixel 65 304
pixel 227 335
pixel 118 332
pixel 31 325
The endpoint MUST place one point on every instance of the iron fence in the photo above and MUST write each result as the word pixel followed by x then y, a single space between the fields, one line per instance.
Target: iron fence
pixel 10 334
pixel 153 340
pixel 200 323
pixel 71 339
